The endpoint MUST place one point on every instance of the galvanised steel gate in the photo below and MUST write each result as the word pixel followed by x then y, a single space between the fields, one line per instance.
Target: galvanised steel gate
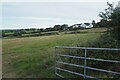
pixel 85 58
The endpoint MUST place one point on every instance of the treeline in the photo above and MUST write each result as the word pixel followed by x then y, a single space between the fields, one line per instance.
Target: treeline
pixel 51 30
pixel 26 33
pixel 39 32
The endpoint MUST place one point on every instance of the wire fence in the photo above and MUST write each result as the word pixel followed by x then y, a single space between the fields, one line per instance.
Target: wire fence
pixel 63 61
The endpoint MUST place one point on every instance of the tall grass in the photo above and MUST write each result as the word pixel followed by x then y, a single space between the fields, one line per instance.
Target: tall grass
pixel 33 56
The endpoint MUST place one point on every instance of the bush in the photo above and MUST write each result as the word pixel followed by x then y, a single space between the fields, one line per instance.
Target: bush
pixel 104 41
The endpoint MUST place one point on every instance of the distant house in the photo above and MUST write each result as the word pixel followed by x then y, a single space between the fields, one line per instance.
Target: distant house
pixel 76 25
pixel 86 25
pixel 82 25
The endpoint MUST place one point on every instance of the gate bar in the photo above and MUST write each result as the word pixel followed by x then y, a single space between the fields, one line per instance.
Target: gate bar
pixel 66 47
pixel 88 58
pixel 75 73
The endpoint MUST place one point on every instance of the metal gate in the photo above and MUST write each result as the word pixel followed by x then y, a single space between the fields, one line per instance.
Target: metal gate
pixel 84 58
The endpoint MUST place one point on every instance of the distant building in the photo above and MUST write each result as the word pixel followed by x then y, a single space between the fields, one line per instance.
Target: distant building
pixel 86 25
pixel 81 26
pixel 76 25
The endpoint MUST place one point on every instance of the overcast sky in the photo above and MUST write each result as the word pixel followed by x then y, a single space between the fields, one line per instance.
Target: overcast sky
pixel 17 15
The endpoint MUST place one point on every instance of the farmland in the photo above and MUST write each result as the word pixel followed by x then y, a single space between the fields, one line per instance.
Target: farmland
pixel 34 56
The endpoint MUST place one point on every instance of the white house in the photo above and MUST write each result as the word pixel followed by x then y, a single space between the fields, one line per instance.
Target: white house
pixel 88 25
pixel 76 25
pixel 83 25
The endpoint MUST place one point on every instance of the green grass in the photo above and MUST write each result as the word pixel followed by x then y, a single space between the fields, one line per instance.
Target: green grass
pixel 89 30
pixel 9 33
pixel 34 56
pixel 94 30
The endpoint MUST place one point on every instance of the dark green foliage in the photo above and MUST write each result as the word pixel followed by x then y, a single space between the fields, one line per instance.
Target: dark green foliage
pixel 104 23
pixel 111 19
pixel 116 24
pixel 17 33
pixel 60 27
pixel 93 23
pixel 104 41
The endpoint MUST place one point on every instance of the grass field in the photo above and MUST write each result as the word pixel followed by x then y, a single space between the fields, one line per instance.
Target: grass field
pixel 34 56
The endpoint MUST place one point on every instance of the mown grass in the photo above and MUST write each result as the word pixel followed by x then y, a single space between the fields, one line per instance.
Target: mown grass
pixel 34 56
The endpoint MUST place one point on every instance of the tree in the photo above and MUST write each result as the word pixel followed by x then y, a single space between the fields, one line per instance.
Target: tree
pixel 42 30
pixel 104 23
pixel 3 34
pixel 116 23
pixel 64 27
pixel 57 27
pixel 49 29
pixel 17 33
pixel 112 15
pixel 106 15
pixel 70 28
pixel 93 23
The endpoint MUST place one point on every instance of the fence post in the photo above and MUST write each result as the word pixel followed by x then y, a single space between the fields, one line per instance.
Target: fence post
pixel 85 63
